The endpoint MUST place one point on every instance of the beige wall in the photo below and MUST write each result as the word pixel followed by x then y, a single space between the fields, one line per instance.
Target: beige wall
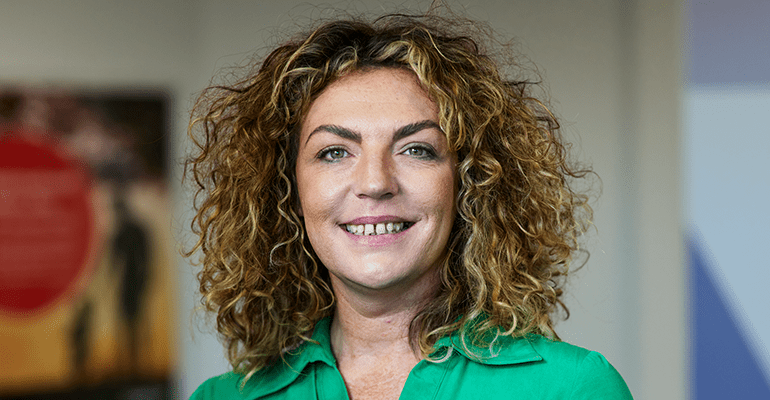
pixel 612 68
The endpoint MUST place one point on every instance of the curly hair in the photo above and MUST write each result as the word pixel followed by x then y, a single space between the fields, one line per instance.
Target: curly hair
pixel 518 217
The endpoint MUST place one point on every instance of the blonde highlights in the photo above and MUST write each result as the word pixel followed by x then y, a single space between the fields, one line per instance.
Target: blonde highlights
pixel 518 218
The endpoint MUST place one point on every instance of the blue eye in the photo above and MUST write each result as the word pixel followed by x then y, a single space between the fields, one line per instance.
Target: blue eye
pixel 333 154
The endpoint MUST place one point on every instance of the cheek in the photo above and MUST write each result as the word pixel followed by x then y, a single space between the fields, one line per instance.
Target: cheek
pixel 317 194
pixel 446 188
pixel 307 186
pixel 300 211
pixel 437 192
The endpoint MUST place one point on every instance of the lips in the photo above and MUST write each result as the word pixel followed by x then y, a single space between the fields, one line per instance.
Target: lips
pixel 375 226
pixel 382 228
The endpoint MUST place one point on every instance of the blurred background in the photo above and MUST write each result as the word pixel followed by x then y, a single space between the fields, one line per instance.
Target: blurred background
pixel 665 99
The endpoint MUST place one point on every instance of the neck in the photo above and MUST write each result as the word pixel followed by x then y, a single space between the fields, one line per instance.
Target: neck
pixel 376 321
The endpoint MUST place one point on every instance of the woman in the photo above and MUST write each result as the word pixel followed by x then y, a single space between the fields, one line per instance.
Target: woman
pixel 382 214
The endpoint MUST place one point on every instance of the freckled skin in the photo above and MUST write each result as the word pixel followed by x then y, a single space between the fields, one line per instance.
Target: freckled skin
pixel 357 159
pixel 375 176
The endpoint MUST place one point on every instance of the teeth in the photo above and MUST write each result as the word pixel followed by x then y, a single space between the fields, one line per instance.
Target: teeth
pixel 376 229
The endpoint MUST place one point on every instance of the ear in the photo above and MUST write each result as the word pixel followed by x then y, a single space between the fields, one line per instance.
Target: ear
pixel 299 209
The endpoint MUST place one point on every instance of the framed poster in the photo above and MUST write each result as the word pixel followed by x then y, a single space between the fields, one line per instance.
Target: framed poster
pixel 86 277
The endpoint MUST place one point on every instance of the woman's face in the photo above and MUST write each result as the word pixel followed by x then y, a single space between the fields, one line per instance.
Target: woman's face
pixel 376 182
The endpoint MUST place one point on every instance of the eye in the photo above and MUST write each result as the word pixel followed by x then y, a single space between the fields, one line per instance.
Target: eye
pixel 420 151
pixel 332 154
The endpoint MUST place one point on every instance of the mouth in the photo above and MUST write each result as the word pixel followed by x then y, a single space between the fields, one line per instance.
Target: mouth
pixel 382 228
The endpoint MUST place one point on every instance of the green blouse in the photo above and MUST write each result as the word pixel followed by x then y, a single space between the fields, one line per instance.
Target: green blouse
pixel 531 367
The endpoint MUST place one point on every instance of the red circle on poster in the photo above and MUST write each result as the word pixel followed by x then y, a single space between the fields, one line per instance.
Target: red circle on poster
pixel 45 224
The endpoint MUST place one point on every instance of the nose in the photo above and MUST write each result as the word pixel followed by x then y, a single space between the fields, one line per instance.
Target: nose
pixel 375 177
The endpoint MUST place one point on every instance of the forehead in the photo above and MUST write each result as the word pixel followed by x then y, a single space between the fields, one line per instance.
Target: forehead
pixel 383 95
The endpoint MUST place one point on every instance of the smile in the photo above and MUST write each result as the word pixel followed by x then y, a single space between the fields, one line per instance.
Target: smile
pixel 384 228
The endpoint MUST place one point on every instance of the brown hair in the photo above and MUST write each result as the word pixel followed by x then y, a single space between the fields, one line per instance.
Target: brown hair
pixel 518 218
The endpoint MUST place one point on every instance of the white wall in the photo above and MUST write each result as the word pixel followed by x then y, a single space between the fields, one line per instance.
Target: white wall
pixel 613 72
pixel 93 42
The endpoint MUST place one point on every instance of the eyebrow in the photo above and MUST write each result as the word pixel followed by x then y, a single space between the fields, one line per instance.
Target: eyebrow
pixel 401 133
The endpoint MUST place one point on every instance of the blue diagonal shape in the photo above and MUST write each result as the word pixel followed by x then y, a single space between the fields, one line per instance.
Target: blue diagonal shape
pixel 722 364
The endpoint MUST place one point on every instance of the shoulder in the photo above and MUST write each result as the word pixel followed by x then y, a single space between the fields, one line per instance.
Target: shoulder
pixel 582 373
pixel 568 355
pixel 537 367
pixel 287 377
pixel 564 354
pixel 225 387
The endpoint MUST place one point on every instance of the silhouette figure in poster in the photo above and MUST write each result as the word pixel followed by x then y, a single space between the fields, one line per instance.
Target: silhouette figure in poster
pixel 131 254
pixel 81 339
